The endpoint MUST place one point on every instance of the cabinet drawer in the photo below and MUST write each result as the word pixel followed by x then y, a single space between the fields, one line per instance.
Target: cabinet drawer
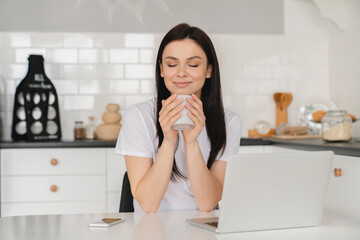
pixel 38 189
pixel 52 161
pixel 17 209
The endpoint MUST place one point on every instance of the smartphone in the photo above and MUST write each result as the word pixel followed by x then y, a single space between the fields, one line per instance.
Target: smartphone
pixel 106 222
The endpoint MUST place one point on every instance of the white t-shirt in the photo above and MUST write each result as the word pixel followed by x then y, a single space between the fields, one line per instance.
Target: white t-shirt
pixel 138 137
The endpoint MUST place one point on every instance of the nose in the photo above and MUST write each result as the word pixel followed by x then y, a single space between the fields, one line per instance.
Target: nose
pixel 181 71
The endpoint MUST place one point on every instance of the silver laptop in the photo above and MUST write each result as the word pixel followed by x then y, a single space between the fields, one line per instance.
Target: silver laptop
pixel 265 191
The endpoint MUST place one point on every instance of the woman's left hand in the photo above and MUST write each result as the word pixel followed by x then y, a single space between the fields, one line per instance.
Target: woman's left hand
pixel 196 114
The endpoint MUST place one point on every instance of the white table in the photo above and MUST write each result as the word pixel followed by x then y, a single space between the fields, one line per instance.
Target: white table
pixel 164 225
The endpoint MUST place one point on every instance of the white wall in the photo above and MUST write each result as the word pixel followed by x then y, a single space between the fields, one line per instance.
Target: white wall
pixel 344 69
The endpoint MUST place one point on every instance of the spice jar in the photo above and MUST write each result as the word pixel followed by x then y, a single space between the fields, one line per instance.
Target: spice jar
pixel 336 126
pixel 79 130
pixel 90 129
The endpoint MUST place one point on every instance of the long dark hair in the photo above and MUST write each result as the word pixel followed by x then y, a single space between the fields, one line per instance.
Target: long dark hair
pixel 210 93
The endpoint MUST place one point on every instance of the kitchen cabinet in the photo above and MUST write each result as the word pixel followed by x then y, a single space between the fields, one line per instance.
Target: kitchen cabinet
pixel 114 175
pixel 344 184
pixel 60 180
pixel 89 180
pixel 344 187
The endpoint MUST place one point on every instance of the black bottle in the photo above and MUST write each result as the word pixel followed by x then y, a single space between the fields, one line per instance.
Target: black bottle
pixel 36 109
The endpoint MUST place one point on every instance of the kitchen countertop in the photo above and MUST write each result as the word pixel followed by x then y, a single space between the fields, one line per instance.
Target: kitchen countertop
pixel 351 148
pixel 59 144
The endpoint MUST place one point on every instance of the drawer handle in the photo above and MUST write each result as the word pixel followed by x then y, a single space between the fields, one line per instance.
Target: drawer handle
pixel 337 172
pixel 54 161
pixel 53 188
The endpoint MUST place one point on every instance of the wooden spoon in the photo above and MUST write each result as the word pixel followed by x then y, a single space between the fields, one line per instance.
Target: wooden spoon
pixel 285 100
pixel 277 98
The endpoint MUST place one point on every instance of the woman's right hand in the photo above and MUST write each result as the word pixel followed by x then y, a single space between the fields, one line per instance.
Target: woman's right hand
pixel 169 113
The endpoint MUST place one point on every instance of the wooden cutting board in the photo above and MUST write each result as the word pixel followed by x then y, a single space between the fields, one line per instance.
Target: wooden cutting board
pixel 296 137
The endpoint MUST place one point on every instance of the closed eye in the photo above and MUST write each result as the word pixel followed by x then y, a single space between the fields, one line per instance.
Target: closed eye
pixel 172 65
pixel 194 65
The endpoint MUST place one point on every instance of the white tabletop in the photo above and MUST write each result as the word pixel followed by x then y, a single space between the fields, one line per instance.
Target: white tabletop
pixel 163 225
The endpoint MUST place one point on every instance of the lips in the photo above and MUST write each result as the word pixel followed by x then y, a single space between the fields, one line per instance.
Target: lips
pixel 182 84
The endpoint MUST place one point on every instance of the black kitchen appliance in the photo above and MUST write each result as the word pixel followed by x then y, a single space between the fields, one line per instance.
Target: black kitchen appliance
pixel 36 110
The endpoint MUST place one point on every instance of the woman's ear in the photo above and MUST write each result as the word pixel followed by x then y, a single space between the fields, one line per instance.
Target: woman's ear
pixel 209 71
pixel 161 69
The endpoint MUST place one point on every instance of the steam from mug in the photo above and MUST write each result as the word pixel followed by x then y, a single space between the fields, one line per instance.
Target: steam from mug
pixel 184 122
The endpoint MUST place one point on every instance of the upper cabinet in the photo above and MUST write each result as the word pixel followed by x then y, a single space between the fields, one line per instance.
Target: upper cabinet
pixel 229 16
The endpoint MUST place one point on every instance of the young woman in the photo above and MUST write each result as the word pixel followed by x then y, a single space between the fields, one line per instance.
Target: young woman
pixel 176 170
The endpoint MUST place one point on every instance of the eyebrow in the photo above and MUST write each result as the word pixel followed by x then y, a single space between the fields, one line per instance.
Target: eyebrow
pixel 190 58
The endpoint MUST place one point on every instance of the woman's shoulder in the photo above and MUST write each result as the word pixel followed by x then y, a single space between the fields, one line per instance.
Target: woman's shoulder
pixel 143 108
pixel 231 116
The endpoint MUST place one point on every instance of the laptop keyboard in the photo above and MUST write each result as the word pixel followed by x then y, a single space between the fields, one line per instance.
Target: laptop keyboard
pixel 214 224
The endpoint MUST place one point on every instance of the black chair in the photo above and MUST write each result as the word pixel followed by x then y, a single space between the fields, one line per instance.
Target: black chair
pixel 126 201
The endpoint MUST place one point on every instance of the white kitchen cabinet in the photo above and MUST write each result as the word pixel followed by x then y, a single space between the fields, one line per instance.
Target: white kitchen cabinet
pixel 116 168
pixel 89 180
pixel 344 194
pixel 343 191
pixel 53 181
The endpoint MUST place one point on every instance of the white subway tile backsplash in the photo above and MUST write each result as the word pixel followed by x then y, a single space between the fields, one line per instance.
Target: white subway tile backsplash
pixel 53 70
pixel 272 86
pixel 62 55
pixel 139 71
pixel 126 87
pixel 124 55
pixel 14 70
pixel 244 87
pixel 95 87
pixel 6 102
pixel 131 100
pixel 22 54
pixel 79 40
pixel 109 71
pixel 259 102
pixel 109 40
pixel 78 102
pixel 78 71
pixel 134 40
pixel 10 86
pixel 64 87
pixel 2 86
pixel 47 40
pixel 7 55
pixel 147 87
pixel 147 56
pixel 3 103
pixel 90 70
pixel 93 56
pixel 16 40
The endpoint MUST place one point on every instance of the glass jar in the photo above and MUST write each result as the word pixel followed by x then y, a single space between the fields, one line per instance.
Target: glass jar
pixel 336 126
pixel 79 130
pixel 90 129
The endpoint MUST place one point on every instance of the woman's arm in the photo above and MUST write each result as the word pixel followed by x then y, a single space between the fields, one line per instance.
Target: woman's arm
pixel 206 185
pixel 149 180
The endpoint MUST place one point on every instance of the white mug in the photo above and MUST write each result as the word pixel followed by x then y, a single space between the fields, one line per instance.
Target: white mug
pixel 184 122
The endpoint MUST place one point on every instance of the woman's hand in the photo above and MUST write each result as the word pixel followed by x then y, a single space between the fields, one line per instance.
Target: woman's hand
pixel 169 113
pixel 196 114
